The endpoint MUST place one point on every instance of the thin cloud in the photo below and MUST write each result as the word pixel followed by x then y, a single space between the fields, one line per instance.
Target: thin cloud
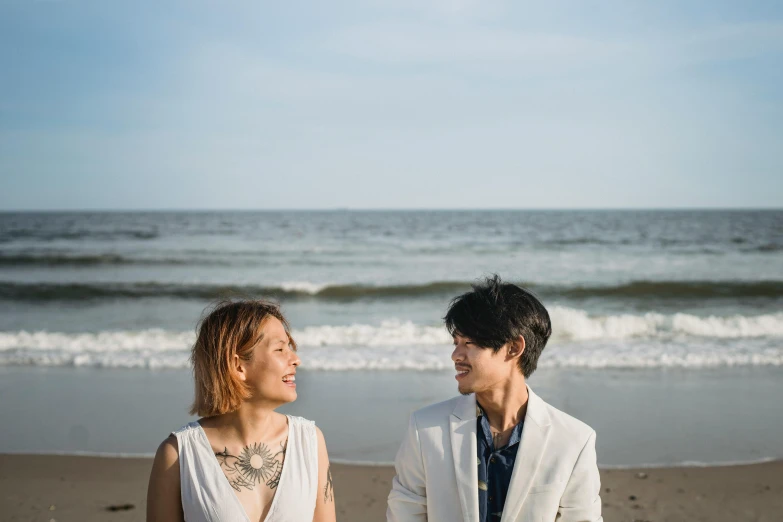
pixel 416 44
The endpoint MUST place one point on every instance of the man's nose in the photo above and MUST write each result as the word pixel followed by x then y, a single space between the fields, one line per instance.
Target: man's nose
pixel 456 355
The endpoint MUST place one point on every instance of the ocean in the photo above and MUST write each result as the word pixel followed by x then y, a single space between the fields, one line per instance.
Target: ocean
pixel 681 306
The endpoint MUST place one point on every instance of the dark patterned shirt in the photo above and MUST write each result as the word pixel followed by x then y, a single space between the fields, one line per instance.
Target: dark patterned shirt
pixel 494 468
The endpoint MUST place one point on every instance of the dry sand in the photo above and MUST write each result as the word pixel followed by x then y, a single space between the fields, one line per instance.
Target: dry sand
pixel 60 488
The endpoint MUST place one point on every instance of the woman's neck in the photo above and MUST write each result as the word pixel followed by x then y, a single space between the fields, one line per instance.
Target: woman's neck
pixel 250 423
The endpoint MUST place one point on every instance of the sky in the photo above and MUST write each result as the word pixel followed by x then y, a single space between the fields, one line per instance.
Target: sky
pixel 390 104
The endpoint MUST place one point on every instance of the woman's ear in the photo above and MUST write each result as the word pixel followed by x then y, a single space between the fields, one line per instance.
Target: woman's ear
pixel 239 367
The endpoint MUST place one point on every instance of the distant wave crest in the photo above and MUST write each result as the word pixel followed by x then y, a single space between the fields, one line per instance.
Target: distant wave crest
pixel 632 290
pixel 62 259
pixel 25 234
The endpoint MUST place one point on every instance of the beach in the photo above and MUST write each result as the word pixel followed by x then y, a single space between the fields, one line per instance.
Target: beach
pixel 92 489
pixel 667 329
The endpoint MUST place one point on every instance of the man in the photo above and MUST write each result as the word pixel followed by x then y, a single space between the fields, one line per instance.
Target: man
pixel 498 453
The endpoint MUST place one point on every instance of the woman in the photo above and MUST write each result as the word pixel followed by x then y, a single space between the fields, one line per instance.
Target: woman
pixel 242 461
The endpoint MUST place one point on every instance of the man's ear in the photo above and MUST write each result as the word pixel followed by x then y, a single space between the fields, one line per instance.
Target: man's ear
pixel 516 347
pixel 239 367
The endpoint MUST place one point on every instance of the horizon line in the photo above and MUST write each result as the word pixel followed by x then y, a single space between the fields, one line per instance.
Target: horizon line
pixel 385 209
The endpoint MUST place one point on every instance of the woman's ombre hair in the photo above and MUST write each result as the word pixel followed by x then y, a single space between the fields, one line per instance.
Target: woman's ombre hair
pixel 230 328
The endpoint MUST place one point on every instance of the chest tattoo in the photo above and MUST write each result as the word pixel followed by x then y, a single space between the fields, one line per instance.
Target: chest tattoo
pixel 256 464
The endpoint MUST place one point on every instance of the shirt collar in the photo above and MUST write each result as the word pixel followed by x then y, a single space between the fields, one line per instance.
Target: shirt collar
pixel 516 433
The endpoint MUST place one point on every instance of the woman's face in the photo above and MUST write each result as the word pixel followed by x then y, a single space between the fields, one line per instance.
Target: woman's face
pixel 270 371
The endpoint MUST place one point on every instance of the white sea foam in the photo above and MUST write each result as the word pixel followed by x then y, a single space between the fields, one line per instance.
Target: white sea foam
pixel 579 340
pixel 573 324
pixel 389 333
pixel 303 286
pixel 693 354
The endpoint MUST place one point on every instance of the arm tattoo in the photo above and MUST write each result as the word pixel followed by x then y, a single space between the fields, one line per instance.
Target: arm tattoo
pixel 329 487
pixel 254 465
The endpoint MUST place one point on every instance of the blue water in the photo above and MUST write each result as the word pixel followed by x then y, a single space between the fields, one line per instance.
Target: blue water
pixel 639 289
pixel 671 309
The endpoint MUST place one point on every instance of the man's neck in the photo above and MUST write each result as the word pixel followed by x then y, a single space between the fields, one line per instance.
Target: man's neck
pixel 505 406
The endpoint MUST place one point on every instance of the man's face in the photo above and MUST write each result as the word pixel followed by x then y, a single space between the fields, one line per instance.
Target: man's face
pixel 480 369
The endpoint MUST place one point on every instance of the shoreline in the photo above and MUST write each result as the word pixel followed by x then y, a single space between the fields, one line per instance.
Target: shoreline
pixel 385 464
pixel 128 413
pixel 68 487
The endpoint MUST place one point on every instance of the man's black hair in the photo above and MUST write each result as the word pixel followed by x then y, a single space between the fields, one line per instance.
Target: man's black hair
pixel 495 313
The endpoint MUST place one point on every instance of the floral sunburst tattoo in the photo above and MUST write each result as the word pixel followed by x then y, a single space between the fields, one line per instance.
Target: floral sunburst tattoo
pixel 256 462
pixel 254 465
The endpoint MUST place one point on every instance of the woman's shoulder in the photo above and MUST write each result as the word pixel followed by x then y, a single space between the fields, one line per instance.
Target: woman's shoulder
pixel 187 428
pixel 169 449
pixel 167 453
pixel 307 430
pixel 300 421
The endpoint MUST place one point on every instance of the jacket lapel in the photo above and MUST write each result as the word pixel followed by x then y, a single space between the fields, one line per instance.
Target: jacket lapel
pixel 463 447
pixel 535 434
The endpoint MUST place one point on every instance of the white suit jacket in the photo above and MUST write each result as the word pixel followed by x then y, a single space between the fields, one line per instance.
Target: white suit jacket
pixel 555 472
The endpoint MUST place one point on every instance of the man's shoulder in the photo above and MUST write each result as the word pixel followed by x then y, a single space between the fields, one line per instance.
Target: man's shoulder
pixel 439 411
pixel 567 424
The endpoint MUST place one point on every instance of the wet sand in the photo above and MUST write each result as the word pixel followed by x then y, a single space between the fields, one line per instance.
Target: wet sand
pixel 63 488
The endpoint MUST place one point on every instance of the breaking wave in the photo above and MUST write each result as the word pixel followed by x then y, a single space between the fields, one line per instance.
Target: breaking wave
pixel 579 340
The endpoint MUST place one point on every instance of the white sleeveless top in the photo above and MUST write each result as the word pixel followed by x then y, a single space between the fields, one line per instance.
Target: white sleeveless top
pixel 208 497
